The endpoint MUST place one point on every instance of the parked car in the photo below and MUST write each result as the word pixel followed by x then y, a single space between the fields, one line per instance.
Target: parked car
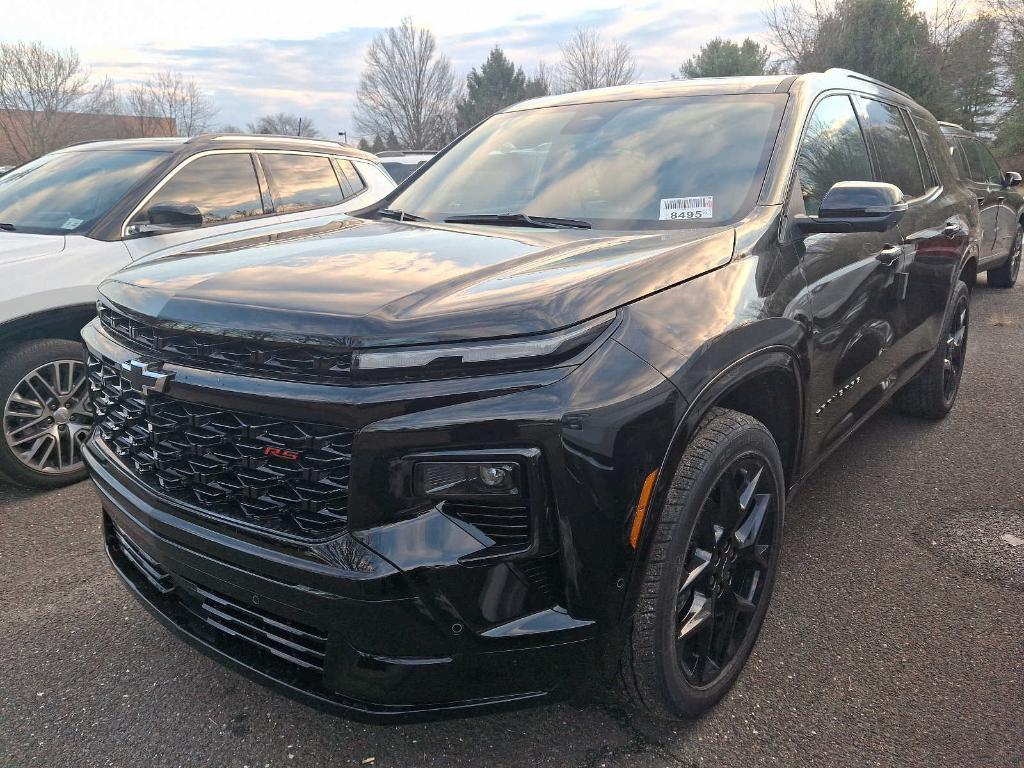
pixel 534 418
pixel 69 219
pixel 1001 199
pixel 401 164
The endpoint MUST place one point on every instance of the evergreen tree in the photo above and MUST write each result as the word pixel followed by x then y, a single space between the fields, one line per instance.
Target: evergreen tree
pixel 378 145
pixel 365 145
pixel 392 142
pixel 724 58
pixel 497 84
pixel 886 39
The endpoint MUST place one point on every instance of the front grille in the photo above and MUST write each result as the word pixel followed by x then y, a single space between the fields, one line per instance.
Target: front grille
pixel 302 645
pixel 252 356
pixel 283 477
pixel 506 526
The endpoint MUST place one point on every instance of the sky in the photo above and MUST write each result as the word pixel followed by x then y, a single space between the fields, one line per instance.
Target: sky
pixel 305 57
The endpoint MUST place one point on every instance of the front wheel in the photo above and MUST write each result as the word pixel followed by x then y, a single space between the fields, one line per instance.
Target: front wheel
pixel 1005 275
pixel 709 577
pixel 932 392
pixel 46 413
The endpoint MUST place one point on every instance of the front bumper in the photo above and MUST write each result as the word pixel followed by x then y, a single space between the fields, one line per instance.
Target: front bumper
pixel 399 616
pixel 312 631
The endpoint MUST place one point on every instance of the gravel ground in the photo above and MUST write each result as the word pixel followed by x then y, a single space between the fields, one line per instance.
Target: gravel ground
pixel 896 635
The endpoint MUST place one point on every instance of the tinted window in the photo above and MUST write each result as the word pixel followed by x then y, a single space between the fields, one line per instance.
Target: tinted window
pixel 936 148
pixel 634 164
pixel 833 150
pixel 68 192
pixel 983 166
pixel 300 182
pixel 350 178
pixel 894 150
pixel 957 153
pixel 400 171
pixel 223 187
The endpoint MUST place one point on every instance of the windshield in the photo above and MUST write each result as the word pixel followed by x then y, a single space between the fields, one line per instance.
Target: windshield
pixel 67 192
pixel 687 161
pixel 399 171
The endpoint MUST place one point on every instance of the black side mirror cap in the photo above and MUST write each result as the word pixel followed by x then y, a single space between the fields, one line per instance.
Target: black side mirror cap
pixel 1011 179
pixel 169 217
pixel 856 206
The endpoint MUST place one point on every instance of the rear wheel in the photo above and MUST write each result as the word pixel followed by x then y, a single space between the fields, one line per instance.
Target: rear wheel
pixel 1005 275
pixel 932 392
pixel 712 567
pixel 46 414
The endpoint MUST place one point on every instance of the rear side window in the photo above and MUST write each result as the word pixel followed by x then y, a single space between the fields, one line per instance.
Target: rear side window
pixel 223 187
pixel 936 148
pixel 301 182
pixel 983 166
pixel 956 152
pixel 833 150
pixel 351 181
pixel 894 149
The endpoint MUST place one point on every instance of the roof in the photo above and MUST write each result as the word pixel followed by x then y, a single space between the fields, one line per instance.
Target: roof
pixel 226 140
pixel 163 143
pixel 712 86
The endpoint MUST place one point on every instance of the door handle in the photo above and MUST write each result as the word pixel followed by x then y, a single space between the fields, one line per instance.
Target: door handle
pixel 952 229
pixel 890 255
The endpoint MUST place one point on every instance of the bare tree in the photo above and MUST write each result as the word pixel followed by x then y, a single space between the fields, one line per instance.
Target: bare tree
pixel 588 61
pixel 284 124
pixel 40 90
pixel 407 88
pixel 793 25
pixel 1010 13
pixel 170 96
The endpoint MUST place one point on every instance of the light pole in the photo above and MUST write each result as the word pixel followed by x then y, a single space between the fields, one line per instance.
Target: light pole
pixel 344 136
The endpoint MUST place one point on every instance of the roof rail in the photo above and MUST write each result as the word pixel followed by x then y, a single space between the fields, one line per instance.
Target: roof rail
pixel 951 125
pixel 867 79
pixel 264 137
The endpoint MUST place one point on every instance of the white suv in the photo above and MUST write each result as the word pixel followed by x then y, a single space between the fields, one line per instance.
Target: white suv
pixel 70 218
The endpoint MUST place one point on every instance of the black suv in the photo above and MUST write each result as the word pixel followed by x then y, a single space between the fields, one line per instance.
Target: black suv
pixel 537 415
pixel 1002 205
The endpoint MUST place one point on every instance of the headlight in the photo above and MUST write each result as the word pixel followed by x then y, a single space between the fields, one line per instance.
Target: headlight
pixel 514 352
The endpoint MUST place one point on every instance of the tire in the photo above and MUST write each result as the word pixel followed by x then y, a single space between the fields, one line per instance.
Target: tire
pixel 932 393
pixel 1005 275
pixel 661 670
pixel 45 414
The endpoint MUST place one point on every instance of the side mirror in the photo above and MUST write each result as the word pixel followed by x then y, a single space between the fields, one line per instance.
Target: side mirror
pixel 1011 179
pixel 856 206
pixel 169 217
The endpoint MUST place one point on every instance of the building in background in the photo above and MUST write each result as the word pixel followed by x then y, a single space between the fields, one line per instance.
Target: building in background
pixel 19 131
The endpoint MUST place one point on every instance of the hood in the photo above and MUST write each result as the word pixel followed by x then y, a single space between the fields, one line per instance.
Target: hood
pixel 19 246
pixel 368 283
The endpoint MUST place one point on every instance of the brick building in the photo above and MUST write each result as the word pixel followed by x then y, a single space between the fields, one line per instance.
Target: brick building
pixel 26 135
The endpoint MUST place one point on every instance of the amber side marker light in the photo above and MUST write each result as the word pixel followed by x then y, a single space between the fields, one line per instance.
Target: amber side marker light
pixel 641 508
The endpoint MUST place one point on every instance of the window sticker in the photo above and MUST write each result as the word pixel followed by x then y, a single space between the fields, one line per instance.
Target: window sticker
pixel 71 223
pixel 676 208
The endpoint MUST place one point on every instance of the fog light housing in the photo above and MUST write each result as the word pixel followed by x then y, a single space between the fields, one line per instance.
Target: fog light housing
pixel 468 479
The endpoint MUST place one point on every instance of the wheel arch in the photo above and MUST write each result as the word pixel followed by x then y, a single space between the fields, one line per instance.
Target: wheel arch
pixel 59 323
pixel 737 387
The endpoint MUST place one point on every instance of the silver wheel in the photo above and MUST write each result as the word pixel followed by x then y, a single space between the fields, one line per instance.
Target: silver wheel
pixel 47 417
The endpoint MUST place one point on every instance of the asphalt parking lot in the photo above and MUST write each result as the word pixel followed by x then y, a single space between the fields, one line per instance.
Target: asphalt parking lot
pixel 895 637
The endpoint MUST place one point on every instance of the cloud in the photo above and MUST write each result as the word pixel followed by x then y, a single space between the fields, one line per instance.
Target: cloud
pixel 316 75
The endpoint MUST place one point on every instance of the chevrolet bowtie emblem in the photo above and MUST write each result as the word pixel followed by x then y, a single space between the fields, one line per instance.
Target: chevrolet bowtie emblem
pixel 145 377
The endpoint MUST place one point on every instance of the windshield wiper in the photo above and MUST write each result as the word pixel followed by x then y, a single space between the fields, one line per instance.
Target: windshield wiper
pixel 391 213
pixel 6 227
pixel 519 220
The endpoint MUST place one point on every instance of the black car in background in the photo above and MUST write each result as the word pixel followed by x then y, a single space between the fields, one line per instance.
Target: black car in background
pixel 1001 199
pixel 534 419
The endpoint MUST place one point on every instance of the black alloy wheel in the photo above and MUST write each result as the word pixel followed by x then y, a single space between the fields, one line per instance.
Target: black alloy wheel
pixel 727 568
pixel 956 349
